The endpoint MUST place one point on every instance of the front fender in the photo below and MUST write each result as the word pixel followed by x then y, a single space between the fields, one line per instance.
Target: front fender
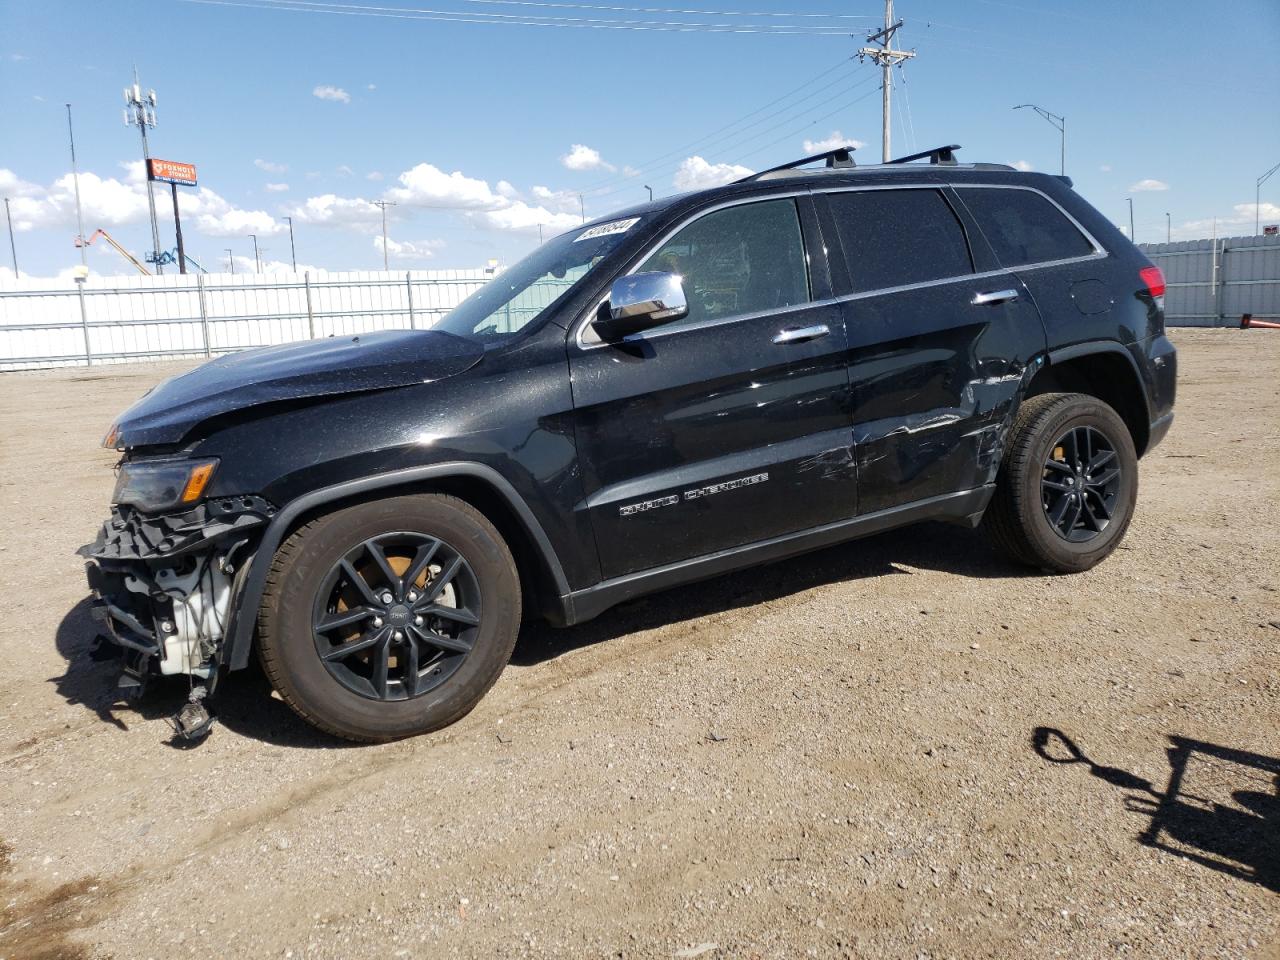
pixel 251 584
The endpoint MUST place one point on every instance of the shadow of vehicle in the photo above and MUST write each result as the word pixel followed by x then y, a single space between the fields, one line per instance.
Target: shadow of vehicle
pixel 1241 839
pixel 243 700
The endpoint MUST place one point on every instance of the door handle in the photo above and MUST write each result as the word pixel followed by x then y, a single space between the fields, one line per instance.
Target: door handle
pixel 799 334
pixel 994 296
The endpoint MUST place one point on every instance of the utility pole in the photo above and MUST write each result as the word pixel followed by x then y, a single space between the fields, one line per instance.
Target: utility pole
pixel 1131 239
pixel 293 254
pixel 887 58
pixel 140 111
pixel 384 204
pixel 539 234
pixel 1168 228
pixel 582 205
pixel 13 250
pixel 75 176
pixel 231 260
pixel 1059 124
pixel 257 260
pixel 1257 198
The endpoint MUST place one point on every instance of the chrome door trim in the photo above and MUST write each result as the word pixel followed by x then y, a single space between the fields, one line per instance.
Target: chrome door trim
pixel 801 334
pixel 994 296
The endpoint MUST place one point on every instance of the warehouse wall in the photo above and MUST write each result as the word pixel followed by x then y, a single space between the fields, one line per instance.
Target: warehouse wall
pixel 1213 282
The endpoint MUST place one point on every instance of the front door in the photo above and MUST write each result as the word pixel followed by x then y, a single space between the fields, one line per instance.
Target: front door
pixel 730 425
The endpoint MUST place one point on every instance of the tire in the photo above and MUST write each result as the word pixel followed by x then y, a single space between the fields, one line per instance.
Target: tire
pixel 399 683
pixel 1034 480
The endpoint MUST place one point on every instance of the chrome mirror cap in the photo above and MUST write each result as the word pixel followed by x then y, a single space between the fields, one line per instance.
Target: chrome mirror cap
pixel 639 301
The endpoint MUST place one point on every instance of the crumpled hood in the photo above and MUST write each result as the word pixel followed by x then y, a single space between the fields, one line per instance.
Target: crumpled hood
pixel 295 371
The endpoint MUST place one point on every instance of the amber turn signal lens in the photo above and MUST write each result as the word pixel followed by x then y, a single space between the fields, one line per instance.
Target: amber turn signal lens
pixel 109 441
pixel 197 481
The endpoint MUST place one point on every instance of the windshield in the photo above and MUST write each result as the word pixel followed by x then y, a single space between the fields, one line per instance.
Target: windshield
pixel 516 297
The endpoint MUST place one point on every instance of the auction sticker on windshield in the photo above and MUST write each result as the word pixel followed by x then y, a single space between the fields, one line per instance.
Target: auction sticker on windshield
pixel 607 229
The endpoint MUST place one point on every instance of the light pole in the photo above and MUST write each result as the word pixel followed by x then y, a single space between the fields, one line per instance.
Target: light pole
pixel 650 189
pixel 257 261
pixel 1131 239
pixel 231 261
pixel 13 251
pixel 1059 123
pixel 293 254
pixel 582 205
pixel 1257 198
pixel 383 204
pixel 75 177
pixel 1168 228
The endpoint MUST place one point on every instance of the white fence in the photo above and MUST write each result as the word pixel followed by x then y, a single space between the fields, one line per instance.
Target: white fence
pixel 1213 283
pixel 116 319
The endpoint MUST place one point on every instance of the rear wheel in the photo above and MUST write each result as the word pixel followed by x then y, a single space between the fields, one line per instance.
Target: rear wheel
pixel 391 618
pixel 1067 485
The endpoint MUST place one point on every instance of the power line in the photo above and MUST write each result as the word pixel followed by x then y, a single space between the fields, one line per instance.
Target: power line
pixel 707 13
pixel 527 20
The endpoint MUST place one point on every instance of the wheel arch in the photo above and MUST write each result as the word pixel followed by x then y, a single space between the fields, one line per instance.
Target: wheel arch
pixel 481 486
pixel 1102 369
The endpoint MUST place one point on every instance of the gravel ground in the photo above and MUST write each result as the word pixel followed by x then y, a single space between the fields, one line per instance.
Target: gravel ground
pixel 851 754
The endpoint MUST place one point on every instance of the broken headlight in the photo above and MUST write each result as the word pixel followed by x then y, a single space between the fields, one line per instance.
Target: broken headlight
pixel 154 486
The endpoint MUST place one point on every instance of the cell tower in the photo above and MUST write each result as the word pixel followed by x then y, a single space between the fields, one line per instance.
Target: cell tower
pixel 140 111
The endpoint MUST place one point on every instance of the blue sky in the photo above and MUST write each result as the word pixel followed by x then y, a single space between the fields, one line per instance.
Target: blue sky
pixel 471 127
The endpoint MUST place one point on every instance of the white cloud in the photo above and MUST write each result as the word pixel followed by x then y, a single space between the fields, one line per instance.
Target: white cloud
pixel 520 217
pixel 1022 165
pixel 373 175
pixel 429 186
pixel 505 189
pixel 836 139
pixel 408 249
pixel 216 217
pixel 697 174
pixel 245 264
pixel 582 157
pixel 325 91
pixel 371 87
pixel 1105 168
pixel 276 187
pixel 1238 223
pixel 270 166
pixel 1143 186
pixel 565 201
pixel 344 171
pixel 332 210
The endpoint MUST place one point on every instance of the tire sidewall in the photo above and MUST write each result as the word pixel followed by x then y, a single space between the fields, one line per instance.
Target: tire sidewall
pixel 1044 540
pixel 308 683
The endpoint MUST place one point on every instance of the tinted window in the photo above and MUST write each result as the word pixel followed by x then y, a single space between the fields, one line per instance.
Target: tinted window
pixel 1023 227
pixel 896 237
pixel 738 260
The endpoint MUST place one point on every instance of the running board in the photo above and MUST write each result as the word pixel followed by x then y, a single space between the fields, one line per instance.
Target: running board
pixel 581 605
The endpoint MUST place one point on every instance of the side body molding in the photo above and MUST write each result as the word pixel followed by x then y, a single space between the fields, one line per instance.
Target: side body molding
pixel 250 584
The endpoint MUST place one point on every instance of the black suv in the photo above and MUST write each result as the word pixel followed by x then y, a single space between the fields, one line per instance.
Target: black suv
pixel 702 383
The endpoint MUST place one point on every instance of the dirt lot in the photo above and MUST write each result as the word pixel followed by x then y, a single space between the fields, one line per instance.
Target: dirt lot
pixel 838 756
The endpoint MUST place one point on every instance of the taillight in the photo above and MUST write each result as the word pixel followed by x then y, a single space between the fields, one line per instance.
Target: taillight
pixel 1153 279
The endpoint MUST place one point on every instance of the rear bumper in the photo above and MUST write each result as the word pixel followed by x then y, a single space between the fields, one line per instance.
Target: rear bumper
pixel 1160 360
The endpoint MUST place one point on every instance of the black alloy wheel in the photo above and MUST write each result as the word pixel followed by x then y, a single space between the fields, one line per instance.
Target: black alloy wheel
pixel 1080 484
pixel 396 616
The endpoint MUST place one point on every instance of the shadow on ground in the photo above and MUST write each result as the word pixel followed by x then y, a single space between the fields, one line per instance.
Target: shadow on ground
pixel 244 702
pixel 1240 838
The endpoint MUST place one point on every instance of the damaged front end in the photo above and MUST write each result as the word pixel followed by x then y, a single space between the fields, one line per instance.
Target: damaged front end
pixel 163 585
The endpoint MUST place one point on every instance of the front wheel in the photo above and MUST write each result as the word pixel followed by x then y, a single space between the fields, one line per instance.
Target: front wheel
pixel 390 618
pixel 1067 485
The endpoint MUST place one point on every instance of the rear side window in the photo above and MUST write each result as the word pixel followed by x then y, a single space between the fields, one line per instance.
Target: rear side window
pixel 1023 227
pixel 896 237
pixel 743 259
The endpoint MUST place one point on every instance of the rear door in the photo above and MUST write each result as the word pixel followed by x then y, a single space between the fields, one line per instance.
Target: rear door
pixel 730 425
pixel 939 338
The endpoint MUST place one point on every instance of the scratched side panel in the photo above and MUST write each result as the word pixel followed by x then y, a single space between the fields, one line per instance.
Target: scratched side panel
pixel 935 381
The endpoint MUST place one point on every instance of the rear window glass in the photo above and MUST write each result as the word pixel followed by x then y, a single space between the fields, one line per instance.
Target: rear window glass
pixel 896 237
pixel 1023 227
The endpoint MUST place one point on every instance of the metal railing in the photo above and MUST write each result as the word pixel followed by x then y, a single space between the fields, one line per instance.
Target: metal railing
pixel 108 320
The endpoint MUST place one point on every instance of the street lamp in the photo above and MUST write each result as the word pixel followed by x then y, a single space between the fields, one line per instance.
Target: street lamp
pixel 1257 198
pixel 650 189
pixel 293 254
pixel 1059 123
pixel 231 260
pixel 257 261
pixel 1131 240
pixel 1168 228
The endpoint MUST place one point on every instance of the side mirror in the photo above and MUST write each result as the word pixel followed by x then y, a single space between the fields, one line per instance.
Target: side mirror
pixel 640 301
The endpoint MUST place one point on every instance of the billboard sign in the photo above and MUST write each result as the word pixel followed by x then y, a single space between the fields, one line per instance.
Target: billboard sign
pixel 172 171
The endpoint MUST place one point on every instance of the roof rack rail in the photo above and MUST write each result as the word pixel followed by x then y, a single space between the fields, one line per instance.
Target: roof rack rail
pixel 945 154
pixel 839 157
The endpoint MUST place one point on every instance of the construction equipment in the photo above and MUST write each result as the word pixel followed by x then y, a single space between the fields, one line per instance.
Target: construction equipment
pixel 119 249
